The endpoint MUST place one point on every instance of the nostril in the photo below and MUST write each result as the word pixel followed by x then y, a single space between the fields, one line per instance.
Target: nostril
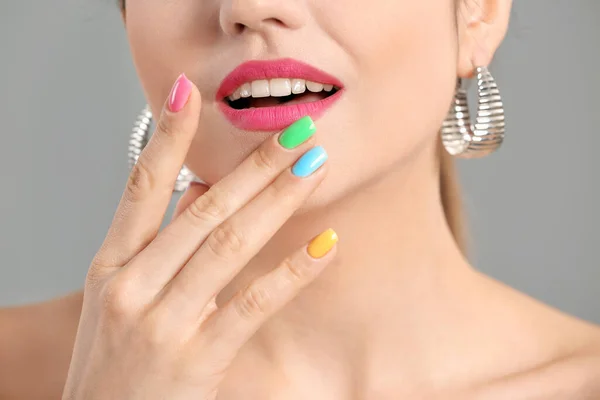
pixel 275 21
pixel 238 28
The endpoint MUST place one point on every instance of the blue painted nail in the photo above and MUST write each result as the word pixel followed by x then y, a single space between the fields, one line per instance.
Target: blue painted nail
pixel 310 162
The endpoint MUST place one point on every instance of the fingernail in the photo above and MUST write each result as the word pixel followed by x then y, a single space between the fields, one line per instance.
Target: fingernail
pixel 310 162
pixel 322 243
pixel 180 93
pixel 297 133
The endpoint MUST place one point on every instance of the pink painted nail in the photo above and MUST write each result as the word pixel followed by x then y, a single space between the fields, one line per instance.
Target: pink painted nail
pixel 180 93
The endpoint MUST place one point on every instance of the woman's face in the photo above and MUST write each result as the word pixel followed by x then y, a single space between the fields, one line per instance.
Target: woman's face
pixel 395 59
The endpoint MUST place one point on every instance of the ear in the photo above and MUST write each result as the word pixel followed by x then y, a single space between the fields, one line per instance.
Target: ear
pixel 482 25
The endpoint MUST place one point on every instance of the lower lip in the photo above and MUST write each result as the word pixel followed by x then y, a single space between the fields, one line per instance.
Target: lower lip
pixel 278 117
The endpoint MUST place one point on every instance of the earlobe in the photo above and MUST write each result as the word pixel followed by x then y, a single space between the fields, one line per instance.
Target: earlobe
pixel 476 49
pixel 482 25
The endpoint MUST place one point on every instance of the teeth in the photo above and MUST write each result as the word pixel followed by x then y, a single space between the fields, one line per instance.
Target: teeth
pixel 260 89
pixel 246 90
pixel 314 86
pixel 278 87
pixel 298 86
pixel 235 96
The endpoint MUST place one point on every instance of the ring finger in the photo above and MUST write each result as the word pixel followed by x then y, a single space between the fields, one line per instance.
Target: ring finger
pixel 232 244
pixel 177 243
pixel 231 326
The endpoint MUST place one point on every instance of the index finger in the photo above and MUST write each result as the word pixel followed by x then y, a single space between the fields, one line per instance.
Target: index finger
pixel 152 179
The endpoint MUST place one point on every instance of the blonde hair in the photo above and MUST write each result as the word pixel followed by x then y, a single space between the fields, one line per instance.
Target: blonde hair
pixel 451 197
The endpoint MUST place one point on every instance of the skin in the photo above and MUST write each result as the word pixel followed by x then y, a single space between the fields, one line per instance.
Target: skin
pixel 398 312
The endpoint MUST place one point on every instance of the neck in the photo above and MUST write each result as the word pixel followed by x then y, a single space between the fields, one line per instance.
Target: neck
pixel 396 255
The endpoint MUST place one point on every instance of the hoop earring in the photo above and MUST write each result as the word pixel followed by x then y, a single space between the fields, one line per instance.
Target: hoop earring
pixel 463 139
pixel 138 140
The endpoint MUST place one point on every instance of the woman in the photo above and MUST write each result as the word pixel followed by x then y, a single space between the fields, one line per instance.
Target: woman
pixel 246 294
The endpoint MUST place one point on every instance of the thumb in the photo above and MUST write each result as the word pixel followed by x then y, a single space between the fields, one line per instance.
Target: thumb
pixel 194 191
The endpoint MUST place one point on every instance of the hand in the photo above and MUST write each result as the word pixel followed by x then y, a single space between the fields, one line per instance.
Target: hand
pixel 150 328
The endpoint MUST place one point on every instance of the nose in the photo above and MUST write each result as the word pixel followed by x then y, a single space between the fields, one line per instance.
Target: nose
pixel 238 16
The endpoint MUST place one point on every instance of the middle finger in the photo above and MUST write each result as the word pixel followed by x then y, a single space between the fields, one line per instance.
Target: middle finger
pixel 176 244
pixel 233 244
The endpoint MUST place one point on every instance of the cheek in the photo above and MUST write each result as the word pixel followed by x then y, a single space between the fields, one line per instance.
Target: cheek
pixel 405 58
pixel 162 37
pixel 409 68
pixel 154 71
pixel 181 39
pixel 399 57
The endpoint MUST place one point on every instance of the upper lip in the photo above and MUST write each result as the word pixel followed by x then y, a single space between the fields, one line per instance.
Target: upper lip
pixel 271 69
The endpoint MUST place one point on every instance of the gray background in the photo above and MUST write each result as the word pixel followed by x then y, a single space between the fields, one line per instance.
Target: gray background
pixel 68 95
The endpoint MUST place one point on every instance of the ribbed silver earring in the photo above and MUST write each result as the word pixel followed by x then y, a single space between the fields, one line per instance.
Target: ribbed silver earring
pixel 139 139
pixel 460 136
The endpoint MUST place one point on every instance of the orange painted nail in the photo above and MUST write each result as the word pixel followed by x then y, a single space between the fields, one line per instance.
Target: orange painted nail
pixel 322 243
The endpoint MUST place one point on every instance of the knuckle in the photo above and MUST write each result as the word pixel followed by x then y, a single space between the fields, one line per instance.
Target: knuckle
pixel 140 182
pixel 118 298
pixel 297 271
pixel 264 159
pixel 94 277
pixel 209 207
pixel 165 128
pixel 281 191
pixel 254 302
pixel 225 241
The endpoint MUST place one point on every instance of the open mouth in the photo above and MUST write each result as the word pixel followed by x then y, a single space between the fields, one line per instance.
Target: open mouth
pixel 278 92
pixel 269 95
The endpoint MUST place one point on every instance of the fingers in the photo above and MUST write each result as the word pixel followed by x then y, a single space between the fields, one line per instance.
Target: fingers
pixel 233 243
pixel 178 242
pixel 194 191
pixel 150 184
pixel 230 327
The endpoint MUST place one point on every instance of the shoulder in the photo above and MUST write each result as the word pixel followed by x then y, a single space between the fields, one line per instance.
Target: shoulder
pixel 36 343
pixel 571 376
pixel 548 355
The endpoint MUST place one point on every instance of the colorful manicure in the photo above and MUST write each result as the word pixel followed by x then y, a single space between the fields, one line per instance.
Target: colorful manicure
pixel 322 243
pixel 180 93
pixel 310 162
pixel 297 133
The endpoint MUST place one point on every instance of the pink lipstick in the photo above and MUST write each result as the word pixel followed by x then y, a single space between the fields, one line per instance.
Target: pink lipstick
pixel 271 95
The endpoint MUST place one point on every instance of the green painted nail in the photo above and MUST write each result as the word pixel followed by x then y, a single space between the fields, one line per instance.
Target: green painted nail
pixel 297 133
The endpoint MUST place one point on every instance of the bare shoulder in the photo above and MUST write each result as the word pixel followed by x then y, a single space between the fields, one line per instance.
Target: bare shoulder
pixel 564 362
pixel 36 343
pixel 576 377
